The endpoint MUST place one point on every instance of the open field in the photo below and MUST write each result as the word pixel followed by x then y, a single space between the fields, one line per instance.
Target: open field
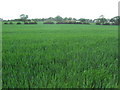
pixel 56 56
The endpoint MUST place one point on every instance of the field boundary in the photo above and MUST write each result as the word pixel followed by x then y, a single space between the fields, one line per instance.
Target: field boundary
pixel 0 55
pixel 118 47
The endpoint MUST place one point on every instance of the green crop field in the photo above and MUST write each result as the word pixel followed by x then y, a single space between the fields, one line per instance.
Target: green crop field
pixel 60 56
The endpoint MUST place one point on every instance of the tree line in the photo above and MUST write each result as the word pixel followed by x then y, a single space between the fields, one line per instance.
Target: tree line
pixel 67 20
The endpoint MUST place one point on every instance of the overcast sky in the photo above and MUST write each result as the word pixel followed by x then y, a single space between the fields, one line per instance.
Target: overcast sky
pixel 91 9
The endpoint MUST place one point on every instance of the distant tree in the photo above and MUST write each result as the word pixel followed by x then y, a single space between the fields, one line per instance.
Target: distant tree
pixel 50 19
pixel 108 20
pixel 82 20
pixel 95 20
pixel 101 16
pixel 70 18
pixel 112 20
pixel 87 20
pixel 43 19
pixel 115 20
pixel 101 20
pixel 65 18
pixel 23 17
pixel 58 18
pixel 91 21
pixel 74 19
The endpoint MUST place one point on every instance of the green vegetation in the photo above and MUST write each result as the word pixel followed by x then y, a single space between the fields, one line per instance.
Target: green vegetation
pixel 32 22
pixel 0 55
pixel 69 22
pixel 48 22
pixel 60 56
pixel 18 23
pixel 60 20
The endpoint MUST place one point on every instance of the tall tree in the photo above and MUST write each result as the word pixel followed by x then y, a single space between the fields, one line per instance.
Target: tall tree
pixel 74 19
pixel 50 19
pixel 23 17
pixel 82 20
pixel 58 18
pixel 115 20
pixel 70 18
pixel 65 18
pixel 101 20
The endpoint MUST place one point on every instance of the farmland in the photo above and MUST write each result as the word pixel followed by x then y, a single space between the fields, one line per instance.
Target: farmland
pixel 59 56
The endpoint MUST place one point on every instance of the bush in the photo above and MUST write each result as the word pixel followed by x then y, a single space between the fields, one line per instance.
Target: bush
pixel 67 22
pixel 35 22
pixel 19 23
pixel 11 23
pixel 26 22
pixel 78 23
pixel 114 24
pixel 86 23
pixel 60 22
pixel 106 24
pixel 48 22
pixel 98 23
pixel 70 22
pixel 32 22
pixel 5 23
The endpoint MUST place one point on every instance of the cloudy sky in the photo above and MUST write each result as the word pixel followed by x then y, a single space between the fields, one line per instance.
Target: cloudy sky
pixel 92 9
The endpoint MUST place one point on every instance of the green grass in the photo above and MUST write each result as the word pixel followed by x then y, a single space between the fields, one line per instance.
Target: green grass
pixel 0 55
pixel 60 56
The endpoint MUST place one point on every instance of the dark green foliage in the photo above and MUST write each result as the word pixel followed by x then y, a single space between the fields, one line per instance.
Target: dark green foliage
pixel 61 22
pixel 78 23
pixel 6 23
pixel 115 20
pixel 58 18
pixel 106 24
pixel 18 23
pixel 98 23
pixel 11 23
pixel 70 22
pixel 33 22
pixel 86 23
pixel 26 22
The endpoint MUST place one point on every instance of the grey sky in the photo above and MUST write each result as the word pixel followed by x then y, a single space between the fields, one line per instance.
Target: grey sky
pixel 11 9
